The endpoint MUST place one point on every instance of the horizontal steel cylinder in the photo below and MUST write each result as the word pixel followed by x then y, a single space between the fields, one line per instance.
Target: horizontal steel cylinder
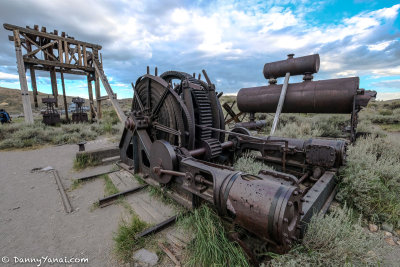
pixel 326 96
pixel 295 66
pixel 265 207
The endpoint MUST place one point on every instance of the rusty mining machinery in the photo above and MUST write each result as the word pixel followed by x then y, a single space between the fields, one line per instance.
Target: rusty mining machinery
pixel 175 137
pixel 334 96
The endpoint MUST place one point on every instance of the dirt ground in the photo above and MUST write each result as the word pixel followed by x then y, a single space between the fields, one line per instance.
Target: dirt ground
pixel 33 222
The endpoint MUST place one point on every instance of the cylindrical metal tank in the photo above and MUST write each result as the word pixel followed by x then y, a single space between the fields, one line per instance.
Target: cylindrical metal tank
pixel 326 96
pixel 296 66
pixel 265 207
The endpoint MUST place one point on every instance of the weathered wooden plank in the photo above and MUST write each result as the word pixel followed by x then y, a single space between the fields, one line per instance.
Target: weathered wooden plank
pixel 91 103
pixel 60 51
pixel 97 91
pixel 64 96
pixel 84 56
pixel 54 88
pixel 78 47
pixel 26 101
pixel 66 52
pixel 57 64
pixel 11 27
pixel 40 48
pixel 109 90
pixel 47 54
pixel 34 87
pixel 75 72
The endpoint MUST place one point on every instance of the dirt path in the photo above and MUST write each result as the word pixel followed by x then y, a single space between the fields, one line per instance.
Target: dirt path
pixel 33 222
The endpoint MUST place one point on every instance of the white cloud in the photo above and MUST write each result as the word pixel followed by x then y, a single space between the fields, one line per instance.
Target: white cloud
pixel 8 76
pixel 380 46
pixel 388 96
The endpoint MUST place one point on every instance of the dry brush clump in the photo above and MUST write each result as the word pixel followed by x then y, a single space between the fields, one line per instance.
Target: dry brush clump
pixel 370 181
pixel 334 240
pixel 20 135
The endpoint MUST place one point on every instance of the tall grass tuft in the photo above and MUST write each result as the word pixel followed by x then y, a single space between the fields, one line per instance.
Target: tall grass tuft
pixel 125 241
pixel 210 246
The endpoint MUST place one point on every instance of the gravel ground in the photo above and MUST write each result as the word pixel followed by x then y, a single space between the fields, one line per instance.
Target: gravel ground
pixel 33 223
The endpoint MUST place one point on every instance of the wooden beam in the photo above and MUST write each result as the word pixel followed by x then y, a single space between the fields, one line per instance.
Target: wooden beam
pixel 79 55
pixel 97 91
pixel 40 48
pixel 91 102
pixel 26 101
pixel 109 90
pixel 64 96
pixel 33 42
pixel 84 56
pixel 34 87
pixel 75 72
pixel 11 27
pixel 60 51
pixel 48 63
pixel 66 52
pixel 54 88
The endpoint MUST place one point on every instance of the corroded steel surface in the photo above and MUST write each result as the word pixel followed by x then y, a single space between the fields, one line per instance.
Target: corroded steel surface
pixel 295 66
pixel 326 96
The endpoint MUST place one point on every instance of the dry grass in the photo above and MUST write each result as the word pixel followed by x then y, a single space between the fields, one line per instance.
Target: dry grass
pixel 370 181
pixel 335 239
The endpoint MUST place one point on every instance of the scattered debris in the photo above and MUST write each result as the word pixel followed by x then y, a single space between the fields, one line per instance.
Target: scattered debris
pixel 169 254
pixel 373 227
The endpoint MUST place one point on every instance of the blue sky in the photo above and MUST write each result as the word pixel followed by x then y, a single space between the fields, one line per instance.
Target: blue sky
pixel 232 40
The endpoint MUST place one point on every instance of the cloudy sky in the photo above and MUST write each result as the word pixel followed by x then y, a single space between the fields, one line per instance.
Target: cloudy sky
pixel 230 39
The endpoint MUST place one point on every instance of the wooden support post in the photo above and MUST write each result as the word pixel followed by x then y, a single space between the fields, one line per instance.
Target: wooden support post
pixel 98 95
pixel 78 47
pixel 34 87
pixel 107 87
pixel 26 101
pixel 64 96
pixel 84 56
pixel 53 79
pixel 91 103
pixel 280 103
pixel 66 52
pixel 60 51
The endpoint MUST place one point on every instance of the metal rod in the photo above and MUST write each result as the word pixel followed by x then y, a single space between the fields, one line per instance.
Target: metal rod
pixel 157 228
pixel 64 197
pixel 94 175
pixel 280 103
pixel 103 202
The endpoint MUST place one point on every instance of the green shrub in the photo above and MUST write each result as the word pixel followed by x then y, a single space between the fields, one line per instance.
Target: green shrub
pixel 370 181
pixel 125 241
pixel 334 240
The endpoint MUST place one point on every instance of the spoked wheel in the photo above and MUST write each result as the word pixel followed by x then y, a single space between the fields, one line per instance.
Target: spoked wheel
pixel 167 121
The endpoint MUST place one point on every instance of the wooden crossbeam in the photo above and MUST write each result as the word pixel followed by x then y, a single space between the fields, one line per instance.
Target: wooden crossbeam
pixel 40 48
pixel 48 63
pixel 11 27
pixel 30 40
